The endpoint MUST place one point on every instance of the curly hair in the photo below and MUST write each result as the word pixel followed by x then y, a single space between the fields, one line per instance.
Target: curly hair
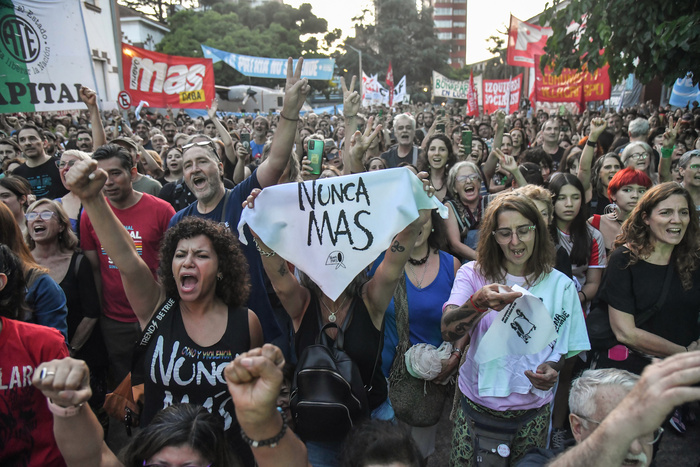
pixel 424 165
pixel 488 251
pixel 234 287
pixel 636 234
pixel 181 424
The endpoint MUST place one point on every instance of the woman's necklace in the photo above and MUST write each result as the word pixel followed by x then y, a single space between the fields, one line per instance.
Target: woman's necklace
pixel 418 262
pixel 434 185
pixel 332 318
pixel 419 283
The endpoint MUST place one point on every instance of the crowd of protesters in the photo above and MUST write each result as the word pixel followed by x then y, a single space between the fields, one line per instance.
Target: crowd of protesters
pixel 580 209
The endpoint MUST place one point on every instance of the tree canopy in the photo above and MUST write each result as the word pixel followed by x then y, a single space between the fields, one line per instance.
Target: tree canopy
pixel 271 30
pixel 401 34
pixel 649 38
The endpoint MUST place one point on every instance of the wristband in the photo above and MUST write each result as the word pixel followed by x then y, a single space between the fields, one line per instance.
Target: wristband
pixel 480 310
pixel 458 351
pixel 592 144
pixel 270 442
pixel 289 119
pixel 64 412
pixel 666 152
pixel 585 297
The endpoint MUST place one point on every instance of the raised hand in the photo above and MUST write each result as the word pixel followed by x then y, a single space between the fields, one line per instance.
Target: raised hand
pixel 359 142
pixel 85 180
pixel 351 98
pixel 597 127
pixel 672 133
pixel 88 96
pixel 295 90
pixel 66 381
pixel 211 111
pixel 506 162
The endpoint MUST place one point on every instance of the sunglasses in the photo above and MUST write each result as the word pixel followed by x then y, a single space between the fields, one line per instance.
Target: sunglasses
pixel 201 144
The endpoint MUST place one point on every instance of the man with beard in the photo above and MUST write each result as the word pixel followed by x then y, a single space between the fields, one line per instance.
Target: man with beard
pixel 143 129
pixel 40 168
pixel 405 150
pixel 257 144
pixel 84 140
pixel 169 131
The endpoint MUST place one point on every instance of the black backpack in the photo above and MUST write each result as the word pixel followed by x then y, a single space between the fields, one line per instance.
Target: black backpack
pixel 328 396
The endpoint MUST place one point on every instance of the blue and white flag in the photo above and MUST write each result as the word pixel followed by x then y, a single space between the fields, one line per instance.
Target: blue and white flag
pixel 262 67
pixel 684 92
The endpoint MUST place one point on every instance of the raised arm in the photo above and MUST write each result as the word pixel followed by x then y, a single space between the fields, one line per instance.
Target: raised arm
pixel 489 167
pixel 66 383
pixel 379 290
pixel 509 164
pixel 296 90
pixel 667 150
pixel 584 166
pixel 89 97
pixel 359 142
pixel 254 380
pixel 294 297
pixel 224 135
pixel 142 290
pixel 352 101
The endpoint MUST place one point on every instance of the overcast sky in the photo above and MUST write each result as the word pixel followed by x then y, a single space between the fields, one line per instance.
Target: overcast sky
pixel 484 18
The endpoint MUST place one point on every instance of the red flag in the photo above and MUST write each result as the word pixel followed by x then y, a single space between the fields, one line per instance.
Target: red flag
pixel 472 99
pixel 390 83
pixel 525 40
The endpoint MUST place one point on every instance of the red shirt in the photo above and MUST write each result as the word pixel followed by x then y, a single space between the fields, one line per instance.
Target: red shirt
pixel 26 425
pixel 146 221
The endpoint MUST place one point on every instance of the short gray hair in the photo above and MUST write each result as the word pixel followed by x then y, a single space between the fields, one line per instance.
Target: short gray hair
pixel 406 116
pixel 585 387
pixel 629 149
pixel 452 175
pixel 638 127
pixel 685 158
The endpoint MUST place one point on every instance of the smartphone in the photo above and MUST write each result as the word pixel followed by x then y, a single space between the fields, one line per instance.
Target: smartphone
pixel 440 128
pixel 245 139
pixel 467 141
pixel 315 155
pixel 441 112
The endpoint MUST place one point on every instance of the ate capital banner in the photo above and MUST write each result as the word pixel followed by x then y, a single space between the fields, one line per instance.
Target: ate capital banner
pixel 167 80
pixel 333 228
pixel 571 85
pixel 502 93
pixel 44 56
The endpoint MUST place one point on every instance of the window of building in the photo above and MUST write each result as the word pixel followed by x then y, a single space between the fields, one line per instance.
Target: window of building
pixel 459 1
pixel 443 36
pixel 443 24
pixel 457 12
pixel 460 36
pixel 442 12
pixel 459 24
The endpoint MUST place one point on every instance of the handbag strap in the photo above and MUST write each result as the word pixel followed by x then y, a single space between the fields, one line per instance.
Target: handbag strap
pixel 149 330
pixel 647 314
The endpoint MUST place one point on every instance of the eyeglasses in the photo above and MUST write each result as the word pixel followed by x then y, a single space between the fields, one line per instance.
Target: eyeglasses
pixel 650 438
pixel 45 216
pixel 201 144
pixel 694 166
pixel 524 233
pixel 641 155
pixel 467 178
pixel 62 164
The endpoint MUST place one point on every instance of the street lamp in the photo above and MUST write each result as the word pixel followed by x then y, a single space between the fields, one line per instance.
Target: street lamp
pixel 359 52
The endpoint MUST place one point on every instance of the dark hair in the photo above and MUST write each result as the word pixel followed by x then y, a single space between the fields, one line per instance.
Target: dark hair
pixel 598 188
pixel 538 156
pixel 31 126
pixel 11 235
pixel 177 425
pixel 109 151
pixel 233 288
pixel 636 234
pixel 653 133
pixel 12 302
pixel 380 442
pixel 488 251
pixel 437 239
pixel 424 165
pixel 19 186
pixel 532 173
pixel 578 230
pixel 13 143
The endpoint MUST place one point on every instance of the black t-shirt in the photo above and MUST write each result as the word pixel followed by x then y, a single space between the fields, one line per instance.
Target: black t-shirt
pixel 556 158
pixel 44 179
pixel 635 288
pixel 392 159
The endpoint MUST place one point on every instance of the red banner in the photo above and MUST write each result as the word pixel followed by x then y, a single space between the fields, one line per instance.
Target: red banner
pixel 390 83
pixel 167 80
pixel 472 98
pixel 571 85
pixel 502 94
pixel 525 41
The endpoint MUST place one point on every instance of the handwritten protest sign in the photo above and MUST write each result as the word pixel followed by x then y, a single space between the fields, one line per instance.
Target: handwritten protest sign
pixel 524 327
pixel 333 228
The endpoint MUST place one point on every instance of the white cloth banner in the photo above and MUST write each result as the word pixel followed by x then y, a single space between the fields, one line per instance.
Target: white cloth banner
pixel 400 92
pixel 524 327
pixel 445 87
pixel 374 93
pixel 333 228
pixel 44 54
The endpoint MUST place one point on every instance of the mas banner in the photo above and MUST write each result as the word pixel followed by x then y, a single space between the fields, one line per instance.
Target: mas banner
pixel 44 56
pixel 444 87
pixel 332 228
pixel 261 67
pixel 167 80
pixel 684 92
pixel 502 94
pixel 525 40
pixel 571 85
